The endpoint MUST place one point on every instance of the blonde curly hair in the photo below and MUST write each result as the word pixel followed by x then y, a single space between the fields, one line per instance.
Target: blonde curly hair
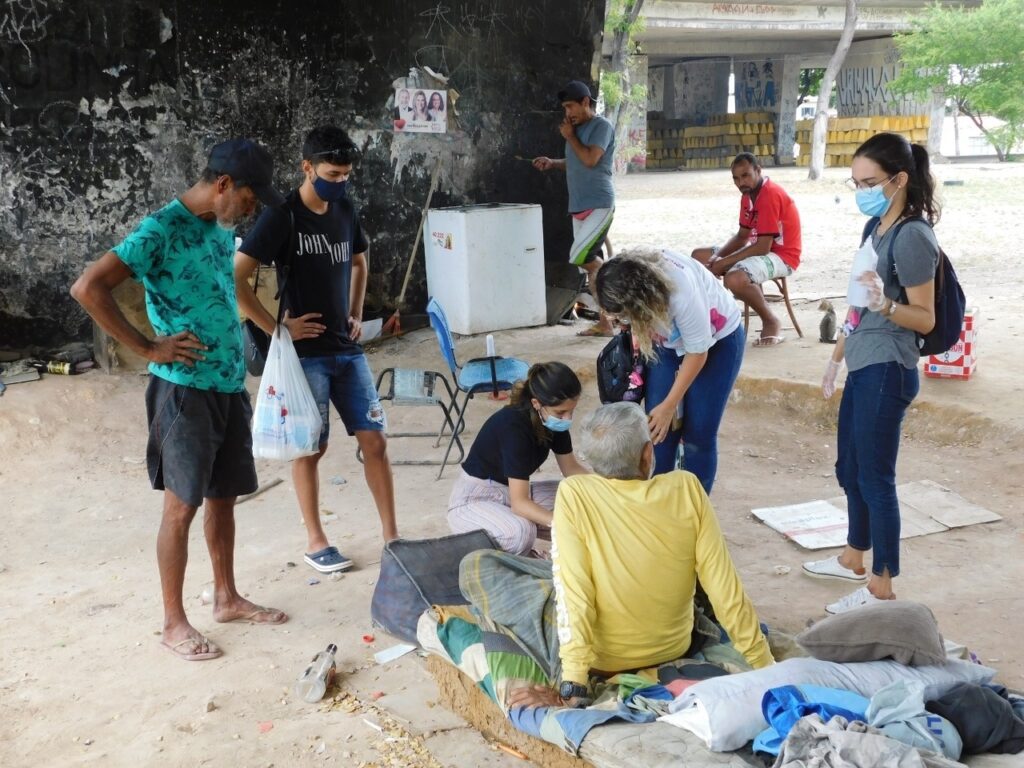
pixel 636 285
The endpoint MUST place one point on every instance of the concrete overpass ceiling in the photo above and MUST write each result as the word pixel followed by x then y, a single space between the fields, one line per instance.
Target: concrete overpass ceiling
pixel 676 29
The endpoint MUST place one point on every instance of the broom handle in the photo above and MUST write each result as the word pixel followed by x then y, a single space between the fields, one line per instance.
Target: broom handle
pixel 419 234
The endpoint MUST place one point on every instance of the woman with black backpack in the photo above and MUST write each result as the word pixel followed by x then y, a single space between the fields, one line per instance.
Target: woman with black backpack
pixel 880 347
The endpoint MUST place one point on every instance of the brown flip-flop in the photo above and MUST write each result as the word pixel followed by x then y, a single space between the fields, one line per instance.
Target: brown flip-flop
pixel 214 652
pixel 250 618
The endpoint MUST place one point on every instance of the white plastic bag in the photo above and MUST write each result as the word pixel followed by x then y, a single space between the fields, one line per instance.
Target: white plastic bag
pixel 286 422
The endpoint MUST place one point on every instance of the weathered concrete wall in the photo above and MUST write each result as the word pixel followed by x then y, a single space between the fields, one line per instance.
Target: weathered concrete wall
pixel 108 108
pixel 862 87
pixel 700 89
pixel 656 88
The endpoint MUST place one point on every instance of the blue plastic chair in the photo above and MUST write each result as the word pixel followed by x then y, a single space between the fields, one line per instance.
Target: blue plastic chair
pixel 481 374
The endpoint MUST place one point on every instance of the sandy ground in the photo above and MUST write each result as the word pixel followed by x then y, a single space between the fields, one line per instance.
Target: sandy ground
pixel 84 682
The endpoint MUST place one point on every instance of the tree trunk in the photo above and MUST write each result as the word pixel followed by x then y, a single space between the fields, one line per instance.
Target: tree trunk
pixel 976 118
pixel 818 135
pixel 956 128
pixel 618 115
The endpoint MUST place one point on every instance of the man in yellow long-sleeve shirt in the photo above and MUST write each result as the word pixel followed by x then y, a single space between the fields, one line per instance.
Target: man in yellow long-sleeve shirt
pixel 627 552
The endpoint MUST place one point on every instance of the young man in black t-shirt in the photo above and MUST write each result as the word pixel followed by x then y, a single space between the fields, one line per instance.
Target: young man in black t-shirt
pixel 323 301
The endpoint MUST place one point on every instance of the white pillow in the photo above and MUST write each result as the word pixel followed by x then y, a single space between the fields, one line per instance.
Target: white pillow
pixel 725 712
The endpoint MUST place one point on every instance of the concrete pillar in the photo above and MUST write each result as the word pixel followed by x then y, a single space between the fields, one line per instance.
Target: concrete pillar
pixel 700 89
pixel 668 104
pixel 722 71
pixel 656 89
pixel 785 127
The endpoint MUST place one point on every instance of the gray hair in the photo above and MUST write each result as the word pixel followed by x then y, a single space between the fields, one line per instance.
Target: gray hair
pixel 613 438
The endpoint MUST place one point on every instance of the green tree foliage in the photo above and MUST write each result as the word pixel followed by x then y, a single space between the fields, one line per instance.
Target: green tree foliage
pixel 620 94
pixel 975 57
pixel 810 83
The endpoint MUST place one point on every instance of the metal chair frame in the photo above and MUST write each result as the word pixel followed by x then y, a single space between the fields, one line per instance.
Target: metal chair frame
pixel 469 379
pixel 780 282
pixel 427 398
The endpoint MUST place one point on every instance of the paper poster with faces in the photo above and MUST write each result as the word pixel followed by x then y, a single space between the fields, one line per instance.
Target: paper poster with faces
pixel 418 110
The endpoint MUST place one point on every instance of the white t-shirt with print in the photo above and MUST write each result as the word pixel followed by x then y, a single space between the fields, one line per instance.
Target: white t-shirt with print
pixel 702 310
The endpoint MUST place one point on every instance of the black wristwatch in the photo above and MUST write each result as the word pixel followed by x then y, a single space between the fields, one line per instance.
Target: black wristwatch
pixel 570 690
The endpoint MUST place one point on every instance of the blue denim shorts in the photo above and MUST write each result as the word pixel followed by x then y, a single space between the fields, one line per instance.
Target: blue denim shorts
pixel 346 381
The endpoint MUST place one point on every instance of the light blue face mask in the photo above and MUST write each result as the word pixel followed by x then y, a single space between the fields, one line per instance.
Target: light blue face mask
pixel 873 202
pixel 557 425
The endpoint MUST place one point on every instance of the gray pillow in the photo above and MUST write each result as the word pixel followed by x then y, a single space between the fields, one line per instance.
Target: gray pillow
pixel 904 631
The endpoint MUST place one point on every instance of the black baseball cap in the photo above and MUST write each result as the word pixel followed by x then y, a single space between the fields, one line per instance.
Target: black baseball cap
pixel 574 91
pixel 246 162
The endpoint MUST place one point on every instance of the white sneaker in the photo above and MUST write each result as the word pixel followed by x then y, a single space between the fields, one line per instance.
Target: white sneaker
pixel 856 599
pixel 831 568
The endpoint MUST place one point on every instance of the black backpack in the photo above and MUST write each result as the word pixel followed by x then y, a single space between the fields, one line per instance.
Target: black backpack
pixel 614 365
pixel 950 303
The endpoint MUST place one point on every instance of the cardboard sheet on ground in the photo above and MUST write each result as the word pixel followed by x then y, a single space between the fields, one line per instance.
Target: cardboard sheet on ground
pixel 925 507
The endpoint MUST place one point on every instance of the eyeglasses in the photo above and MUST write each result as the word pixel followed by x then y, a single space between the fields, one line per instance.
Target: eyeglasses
pixel 855 185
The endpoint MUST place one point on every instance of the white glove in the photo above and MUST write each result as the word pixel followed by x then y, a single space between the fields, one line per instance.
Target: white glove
pixel 876 295
pixel 828 381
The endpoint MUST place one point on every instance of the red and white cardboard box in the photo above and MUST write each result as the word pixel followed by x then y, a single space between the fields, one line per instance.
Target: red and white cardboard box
pixel 960 361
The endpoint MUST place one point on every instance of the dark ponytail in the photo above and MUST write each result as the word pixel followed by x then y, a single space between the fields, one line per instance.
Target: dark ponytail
pixel 549 383
pixel 894 154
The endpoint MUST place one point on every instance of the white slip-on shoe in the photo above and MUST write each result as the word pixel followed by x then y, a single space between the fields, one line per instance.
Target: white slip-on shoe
pixel 856 599
pixel 831 568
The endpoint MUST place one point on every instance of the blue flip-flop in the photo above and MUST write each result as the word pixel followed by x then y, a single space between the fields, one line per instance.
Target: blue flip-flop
pixel 328 560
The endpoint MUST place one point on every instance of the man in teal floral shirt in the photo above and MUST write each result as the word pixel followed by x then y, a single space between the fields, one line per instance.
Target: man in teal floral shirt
pixel 200 446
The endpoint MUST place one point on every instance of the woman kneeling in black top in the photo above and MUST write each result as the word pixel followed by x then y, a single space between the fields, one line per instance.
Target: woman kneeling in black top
pixel 494 491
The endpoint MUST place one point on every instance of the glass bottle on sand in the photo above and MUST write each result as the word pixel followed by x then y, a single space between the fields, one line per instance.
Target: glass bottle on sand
pixel 312 684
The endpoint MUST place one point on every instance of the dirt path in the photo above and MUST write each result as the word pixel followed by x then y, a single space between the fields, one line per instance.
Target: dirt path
pixel 83 681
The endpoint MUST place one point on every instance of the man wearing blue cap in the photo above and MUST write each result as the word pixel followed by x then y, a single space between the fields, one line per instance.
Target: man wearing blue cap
pixel 589 157
pixel 200 446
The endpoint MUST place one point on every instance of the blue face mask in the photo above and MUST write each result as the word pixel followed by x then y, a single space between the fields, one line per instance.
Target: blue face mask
pixel 329 191
pixel 557 425
pixel 873 202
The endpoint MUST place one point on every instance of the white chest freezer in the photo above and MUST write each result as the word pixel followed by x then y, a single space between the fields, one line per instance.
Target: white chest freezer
pixel 485 265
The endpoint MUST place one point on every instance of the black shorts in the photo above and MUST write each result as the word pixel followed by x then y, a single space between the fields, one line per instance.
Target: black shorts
pixel 200 444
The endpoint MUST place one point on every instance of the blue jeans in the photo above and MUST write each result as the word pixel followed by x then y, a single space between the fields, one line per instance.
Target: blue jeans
pixel 702 407
pixel 870 417
pixel 346 381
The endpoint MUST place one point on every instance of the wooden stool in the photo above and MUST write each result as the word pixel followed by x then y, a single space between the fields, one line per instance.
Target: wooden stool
pixel 781 283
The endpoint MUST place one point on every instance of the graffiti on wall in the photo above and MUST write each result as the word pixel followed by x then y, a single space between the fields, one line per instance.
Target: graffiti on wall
pixel 694 86
pixel 656 89
pixel 756 86
pixel 863 89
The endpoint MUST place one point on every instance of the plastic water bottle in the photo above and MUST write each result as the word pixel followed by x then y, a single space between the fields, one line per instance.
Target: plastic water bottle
pixel 312 684
pixel 490 345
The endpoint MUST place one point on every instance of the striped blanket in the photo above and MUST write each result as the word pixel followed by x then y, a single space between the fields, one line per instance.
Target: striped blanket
pixel 506 639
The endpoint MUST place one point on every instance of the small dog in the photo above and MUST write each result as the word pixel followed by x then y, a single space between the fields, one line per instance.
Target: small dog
pixel 827 328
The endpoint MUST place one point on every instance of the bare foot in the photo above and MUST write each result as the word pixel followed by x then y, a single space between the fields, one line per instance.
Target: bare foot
pixel 770 329
pixel 188 643
pixel 598 329
pixel 243 610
